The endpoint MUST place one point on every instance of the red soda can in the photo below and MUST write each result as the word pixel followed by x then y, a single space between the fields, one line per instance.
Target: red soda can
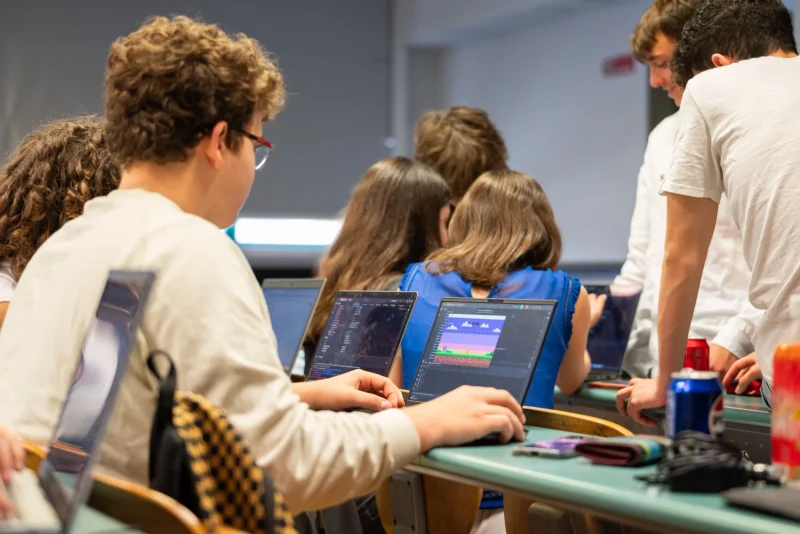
pixel 696 355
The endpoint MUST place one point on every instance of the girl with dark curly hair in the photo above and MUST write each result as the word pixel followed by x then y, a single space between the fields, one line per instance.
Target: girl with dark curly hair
pixel 53 172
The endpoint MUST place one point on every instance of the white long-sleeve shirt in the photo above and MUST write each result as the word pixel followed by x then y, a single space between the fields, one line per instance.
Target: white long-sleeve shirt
pixel 207 311
pixel 723 314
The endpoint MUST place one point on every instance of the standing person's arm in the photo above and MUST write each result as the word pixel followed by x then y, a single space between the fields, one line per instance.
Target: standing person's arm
pixel 694 188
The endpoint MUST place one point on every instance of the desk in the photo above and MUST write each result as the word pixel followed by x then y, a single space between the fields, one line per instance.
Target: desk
pixel 609 492
pixel 747 419
pixel 90 521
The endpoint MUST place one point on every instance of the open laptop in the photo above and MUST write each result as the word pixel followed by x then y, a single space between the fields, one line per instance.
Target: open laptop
pixel 482 342
pixel 363 331
pixel 49 500
pixel 291 304
pixel 608 339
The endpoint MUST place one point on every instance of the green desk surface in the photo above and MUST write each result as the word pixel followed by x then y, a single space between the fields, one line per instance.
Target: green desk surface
pixel 90 521
pixel 738 409
pixel 612 492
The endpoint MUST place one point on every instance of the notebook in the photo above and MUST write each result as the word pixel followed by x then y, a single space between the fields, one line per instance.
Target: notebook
pixel 363 331
pixel 482 342
pixel 608 339
pixel 48 501
pixel 291 304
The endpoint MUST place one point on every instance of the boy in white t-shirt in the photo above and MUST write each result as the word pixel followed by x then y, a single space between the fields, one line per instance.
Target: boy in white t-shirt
pixel 185 106
pixel 738 136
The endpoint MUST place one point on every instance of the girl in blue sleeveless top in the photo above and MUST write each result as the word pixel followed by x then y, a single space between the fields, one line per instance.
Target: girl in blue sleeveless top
pixel 504 242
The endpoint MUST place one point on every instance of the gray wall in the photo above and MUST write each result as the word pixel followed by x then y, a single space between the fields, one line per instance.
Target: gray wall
pixel 334 55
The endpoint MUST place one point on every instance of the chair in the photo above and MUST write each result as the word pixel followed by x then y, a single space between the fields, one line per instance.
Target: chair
pixel 34 455
pixel 131 503
pixel 522 514
pixel 145 509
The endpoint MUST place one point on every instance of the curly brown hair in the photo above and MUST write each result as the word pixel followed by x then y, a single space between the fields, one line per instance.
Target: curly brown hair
pixel 460 143
pixel 169 82
pixel 54 171
pixel 504 224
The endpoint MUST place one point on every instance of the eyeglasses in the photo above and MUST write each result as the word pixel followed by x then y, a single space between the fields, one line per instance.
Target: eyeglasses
pixel 263 148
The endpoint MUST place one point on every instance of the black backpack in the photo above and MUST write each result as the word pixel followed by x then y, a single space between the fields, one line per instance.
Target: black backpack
pixel 199 459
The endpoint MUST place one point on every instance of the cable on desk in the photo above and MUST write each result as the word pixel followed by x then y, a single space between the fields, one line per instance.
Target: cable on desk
pixel 696 462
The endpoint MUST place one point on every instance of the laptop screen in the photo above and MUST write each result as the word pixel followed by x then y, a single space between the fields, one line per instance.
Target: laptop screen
pixel 482 342
pixel 363 331
pixel 65 473
pixel 290 309
pixel 608 339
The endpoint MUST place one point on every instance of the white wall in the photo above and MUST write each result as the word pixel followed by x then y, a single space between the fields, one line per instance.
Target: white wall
pixel 580 135
pixel 335 57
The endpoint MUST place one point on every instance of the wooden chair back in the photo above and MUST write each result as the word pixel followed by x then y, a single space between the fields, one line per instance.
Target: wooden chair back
pixel 132 504
pixel 573 423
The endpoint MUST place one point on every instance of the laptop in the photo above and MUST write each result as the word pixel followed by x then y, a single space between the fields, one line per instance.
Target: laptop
pixel 291 304
pixel 608 339
pixel 363 331
pixel 482 342
pixel 49 500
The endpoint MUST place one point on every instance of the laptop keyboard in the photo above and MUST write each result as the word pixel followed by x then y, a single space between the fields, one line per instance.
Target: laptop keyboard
pixel 30 504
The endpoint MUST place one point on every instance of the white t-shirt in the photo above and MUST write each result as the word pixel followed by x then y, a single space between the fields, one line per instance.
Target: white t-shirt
pixel 722 314
pixel 7 282
pixel 207 311
pixel 740 135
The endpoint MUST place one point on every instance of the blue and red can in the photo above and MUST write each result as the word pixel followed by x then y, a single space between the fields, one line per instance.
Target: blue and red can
pixel 694 402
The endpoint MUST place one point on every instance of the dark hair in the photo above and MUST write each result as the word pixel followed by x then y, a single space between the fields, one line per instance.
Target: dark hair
pixel 666 17
pixel 172 79
pixel 459 143
pixel 391 221
pixel 53 172
pixel 740 29
pixel 505 223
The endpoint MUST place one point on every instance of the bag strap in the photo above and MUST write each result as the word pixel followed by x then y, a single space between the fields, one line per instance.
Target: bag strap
pixel 166 401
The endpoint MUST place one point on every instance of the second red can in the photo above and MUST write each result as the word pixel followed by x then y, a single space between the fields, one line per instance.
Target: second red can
pixel 697 357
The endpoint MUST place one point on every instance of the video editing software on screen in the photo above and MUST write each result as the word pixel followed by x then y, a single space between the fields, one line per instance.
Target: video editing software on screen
pixel 482 344
pixel 362 333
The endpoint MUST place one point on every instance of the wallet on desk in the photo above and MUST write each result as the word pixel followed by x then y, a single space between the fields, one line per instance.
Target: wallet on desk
pixel 623 451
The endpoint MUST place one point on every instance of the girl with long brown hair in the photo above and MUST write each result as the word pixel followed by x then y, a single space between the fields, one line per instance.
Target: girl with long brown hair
pixel 53 172
pixel 397 216
pixel 505 243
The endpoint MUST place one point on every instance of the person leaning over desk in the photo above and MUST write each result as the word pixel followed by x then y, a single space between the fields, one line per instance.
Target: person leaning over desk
pixel 185 107
pixel 739 143
pixel 722 314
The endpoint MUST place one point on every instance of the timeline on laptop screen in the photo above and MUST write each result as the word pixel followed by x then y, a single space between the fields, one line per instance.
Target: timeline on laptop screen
pixel 289 311
pixel 608 339
pixel 482 344
pixel 363 332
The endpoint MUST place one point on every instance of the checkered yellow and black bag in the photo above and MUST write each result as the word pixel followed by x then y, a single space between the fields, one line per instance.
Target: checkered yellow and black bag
pixel 199 459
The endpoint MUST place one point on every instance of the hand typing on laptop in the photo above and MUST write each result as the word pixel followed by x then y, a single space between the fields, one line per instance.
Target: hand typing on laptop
pixel 12 458
pixel 354 390
pixel 467 414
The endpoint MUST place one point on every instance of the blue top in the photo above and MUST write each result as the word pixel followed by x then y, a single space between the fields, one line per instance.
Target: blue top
pixel 524 284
